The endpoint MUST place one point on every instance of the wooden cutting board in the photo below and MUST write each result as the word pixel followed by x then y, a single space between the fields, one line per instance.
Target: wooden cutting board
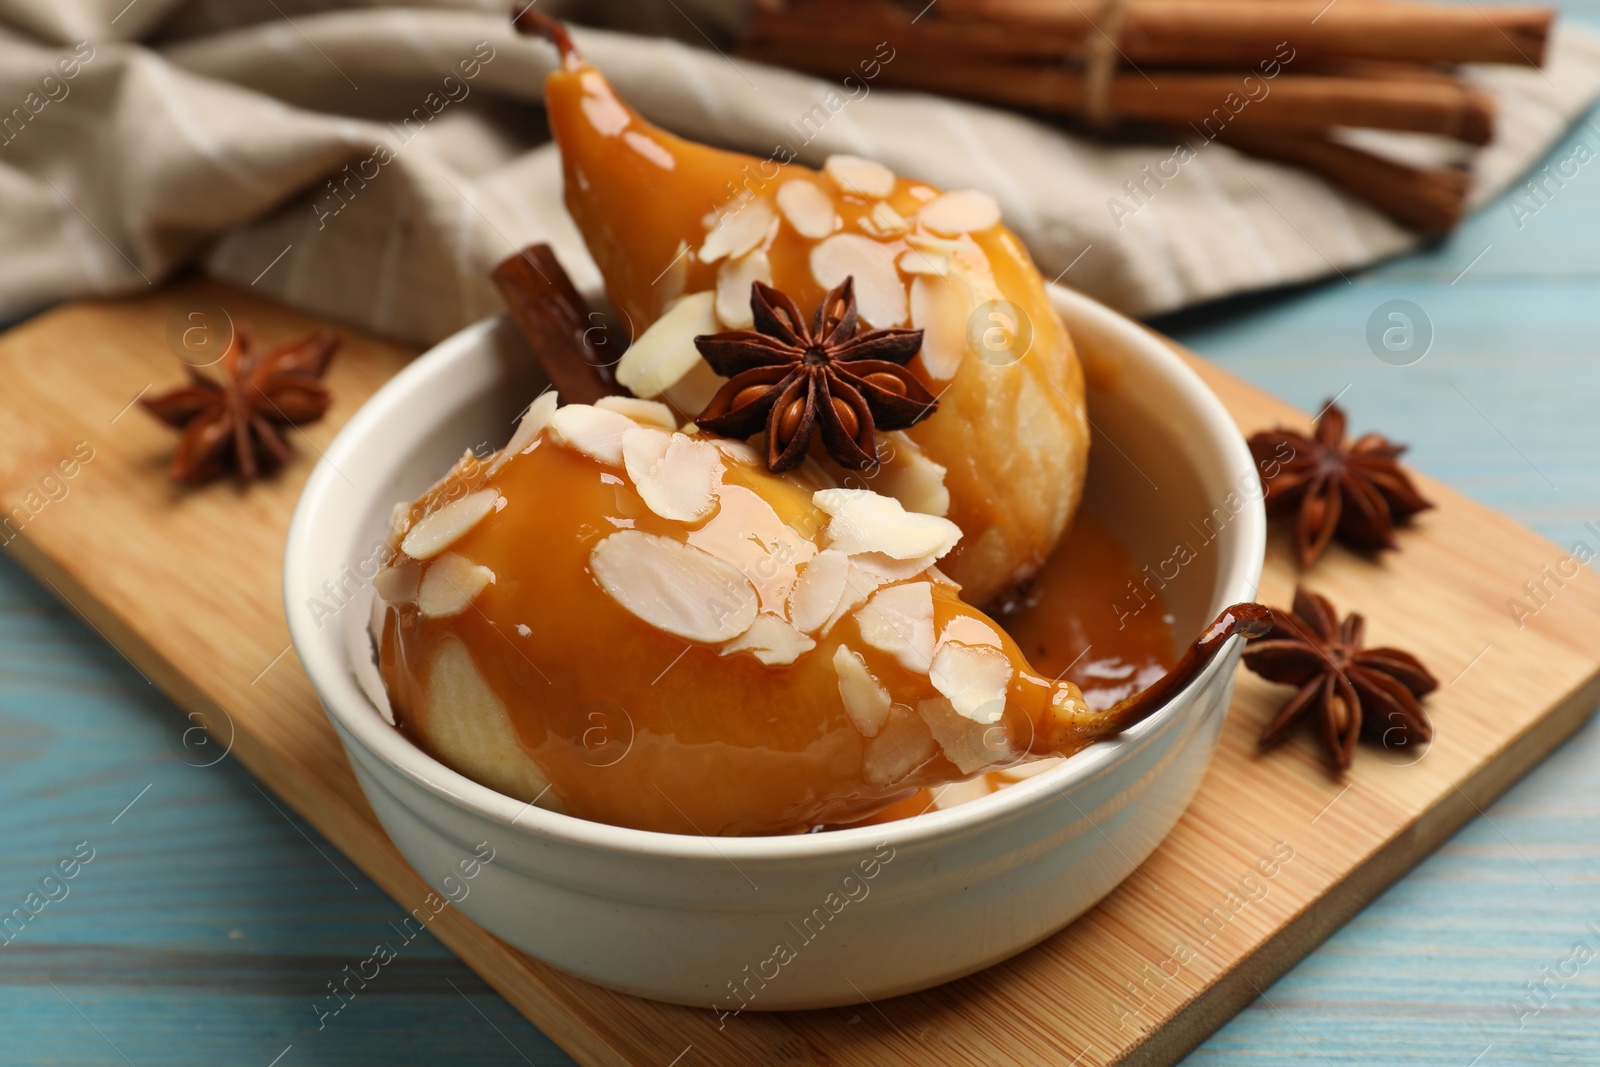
pixel 1273 855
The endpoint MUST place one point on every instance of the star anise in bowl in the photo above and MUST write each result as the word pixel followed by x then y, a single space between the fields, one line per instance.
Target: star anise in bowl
pixel 235 424
pixel 1351 691
pixel 791 379
pixel 1357 492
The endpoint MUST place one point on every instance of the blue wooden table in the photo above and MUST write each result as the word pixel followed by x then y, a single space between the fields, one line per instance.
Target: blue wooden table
pixel 202 922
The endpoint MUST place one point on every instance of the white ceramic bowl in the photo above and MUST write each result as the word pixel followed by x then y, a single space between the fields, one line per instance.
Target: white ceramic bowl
pixel 818 919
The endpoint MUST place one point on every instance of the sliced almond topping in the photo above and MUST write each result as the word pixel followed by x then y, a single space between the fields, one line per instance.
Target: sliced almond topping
pixel 940 311
pixel 969 745
pixel 882 569
pixel 772 641
pixel 899 621
pixel 819 590
pixel 974 678
pixel 737 231
pixel 450 585
pixel 963 211
pixel 666 352
pixel 885 221
pixel 676 476
pixel 740 452
pixel 694 390
pixel 902 745
pixel 970 630
pixel 912 478
pixel 880 294
pixel 644 412
pixel 865 699
pixel 807 208
pixel 859 584
pixel 862 177
pixel 595 432
pixel 733 288
pixel 920 261
pixel 398 584
pixel 533 422
pixel 674 587
pixel 438 530
pixel 864 521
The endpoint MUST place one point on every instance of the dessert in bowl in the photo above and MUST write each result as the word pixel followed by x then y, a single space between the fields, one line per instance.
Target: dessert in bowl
pixel 643 659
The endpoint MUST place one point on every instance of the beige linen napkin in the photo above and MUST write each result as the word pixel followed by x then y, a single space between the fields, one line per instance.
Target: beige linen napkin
pixel 372 163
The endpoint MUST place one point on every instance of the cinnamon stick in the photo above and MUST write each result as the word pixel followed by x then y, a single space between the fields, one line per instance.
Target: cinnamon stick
pixel 1185 33
pixel 1211 101
pixel 1431 199
pixel 554 320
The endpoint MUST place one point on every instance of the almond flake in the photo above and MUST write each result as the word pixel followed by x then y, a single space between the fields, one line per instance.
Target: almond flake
pixel 970 630
pixel 676 476
pixel 899 621
pixel 733 289
pixel 882 569
pixel 438 530
pixel 963 211
pixel 819 590
pixel 859 584
pixel 737 231
pixel 912 478
pixel 665 352
pixel 886 221
pixel 940 312
pixel 864 521
pixel 399 583
pixel 450 585
pixel 880 294
pixel 533 422
pixel 807 208
pixel 975 678
pixel 595 432
pixel 674 587
pixel 865 699
pixel 644 412
pixel 967 744
pixel 772 641
pixel 920 261
pixel 863 177
pixel 902 745
pixel 740 452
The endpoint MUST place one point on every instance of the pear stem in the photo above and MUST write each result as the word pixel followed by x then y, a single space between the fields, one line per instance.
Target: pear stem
pixel 533 23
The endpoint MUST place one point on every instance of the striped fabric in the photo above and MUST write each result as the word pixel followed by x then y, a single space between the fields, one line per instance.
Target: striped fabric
pixel 370 164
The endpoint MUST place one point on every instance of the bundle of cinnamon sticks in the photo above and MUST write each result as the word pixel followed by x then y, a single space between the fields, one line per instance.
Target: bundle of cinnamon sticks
pixel 1275 78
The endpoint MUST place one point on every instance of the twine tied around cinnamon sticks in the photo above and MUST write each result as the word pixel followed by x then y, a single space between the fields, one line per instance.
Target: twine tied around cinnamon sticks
pixel 1100 54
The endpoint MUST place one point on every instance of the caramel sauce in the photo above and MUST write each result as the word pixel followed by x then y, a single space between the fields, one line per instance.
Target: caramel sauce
pixel 1067 625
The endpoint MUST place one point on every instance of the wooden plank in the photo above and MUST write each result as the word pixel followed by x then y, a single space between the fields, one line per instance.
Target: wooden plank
pixel 186 585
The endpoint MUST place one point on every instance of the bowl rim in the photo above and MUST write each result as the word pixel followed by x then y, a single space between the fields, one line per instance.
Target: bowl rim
pixel 323 655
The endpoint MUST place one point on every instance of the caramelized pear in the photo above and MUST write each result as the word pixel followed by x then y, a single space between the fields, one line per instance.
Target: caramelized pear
pixel 681 230
pixel 648 628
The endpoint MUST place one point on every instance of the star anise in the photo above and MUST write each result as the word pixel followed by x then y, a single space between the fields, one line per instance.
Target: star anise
pixel 790 379
pixel 1358 492
pixel 1353 691
pixel 234 424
